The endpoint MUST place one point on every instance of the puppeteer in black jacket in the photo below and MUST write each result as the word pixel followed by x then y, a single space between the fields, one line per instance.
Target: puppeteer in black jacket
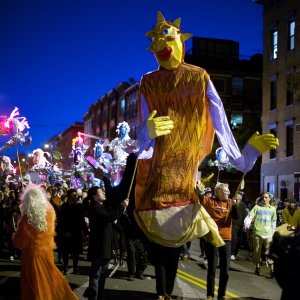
pixel 100 239
pixel 100 224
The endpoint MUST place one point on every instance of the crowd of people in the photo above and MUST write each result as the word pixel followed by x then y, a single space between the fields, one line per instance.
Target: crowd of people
pixel 180 111
pixel 82 220
pixel 76 215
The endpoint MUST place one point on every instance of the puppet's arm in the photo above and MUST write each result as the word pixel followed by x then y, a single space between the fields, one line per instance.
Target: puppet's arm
pixel 255 146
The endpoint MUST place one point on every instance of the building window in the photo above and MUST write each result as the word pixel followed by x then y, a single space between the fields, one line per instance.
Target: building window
pixel 122 107
pixel 112 133
pixel 135 112
pixel 219 84
pixel 105 114
pixel 297 186
pixel 236 120
pixel 98 130
pixel 290 89
pixel 274 44
pixel 291 40
pixel 129 110
pixel 271 188
pixel 273 152
pixel 237 85
pixel 289 137
pixel 273 95
pixel 112 111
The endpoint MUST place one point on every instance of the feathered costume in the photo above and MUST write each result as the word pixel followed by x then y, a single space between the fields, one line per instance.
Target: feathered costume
pixel 40 278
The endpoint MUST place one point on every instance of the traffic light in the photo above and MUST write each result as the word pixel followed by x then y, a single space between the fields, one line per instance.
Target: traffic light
pixel 5 126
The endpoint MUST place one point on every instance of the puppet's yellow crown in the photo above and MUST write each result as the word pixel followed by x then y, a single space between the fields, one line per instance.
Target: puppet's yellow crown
pixel 161 22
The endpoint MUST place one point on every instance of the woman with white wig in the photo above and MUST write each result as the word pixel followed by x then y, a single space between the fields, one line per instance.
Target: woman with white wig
pixel 40 278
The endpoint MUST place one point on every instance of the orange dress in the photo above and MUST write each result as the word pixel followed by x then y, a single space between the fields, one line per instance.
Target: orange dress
pixel 40 278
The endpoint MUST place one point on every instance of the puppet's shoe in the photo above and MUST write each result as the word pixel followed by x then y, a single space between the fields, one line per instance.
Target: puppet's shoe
pixel 140 276
pixel 76 272
pixel 257 271
pixel 130 277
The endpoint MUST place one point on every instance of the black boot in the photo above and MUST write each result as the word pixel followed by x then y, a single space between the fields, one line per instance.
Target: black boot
pixel 257 271
pixel 65 270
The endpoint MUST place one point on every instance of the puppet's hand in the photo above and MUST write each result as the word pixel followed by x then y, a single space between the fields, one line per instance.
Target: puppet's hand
pixel 159 126
pixel 263 142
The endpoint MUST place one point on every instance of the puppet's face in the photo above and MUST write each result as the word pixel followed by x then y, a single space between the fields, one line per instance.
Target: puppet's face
pixel 167 42
pixel 98 149
pixel 167 47
pixel 5 163
pixel 78 142
pixel 37 157
pixel 122 131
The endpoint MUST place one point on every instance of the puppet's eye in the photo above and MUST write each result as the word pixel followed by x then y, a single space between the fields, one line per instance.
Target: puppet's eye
pixel 165 31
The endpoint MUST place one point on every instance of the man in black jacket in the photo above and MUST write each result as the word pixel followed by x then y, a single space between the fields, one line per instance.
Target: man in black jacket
pixel 71 225
pixel 285 251
pixel 100 239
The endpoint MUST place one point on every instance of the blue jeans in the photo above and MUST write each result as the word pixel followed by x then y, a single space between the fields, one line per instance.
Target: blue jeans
pixel 97 277
pixel 212 254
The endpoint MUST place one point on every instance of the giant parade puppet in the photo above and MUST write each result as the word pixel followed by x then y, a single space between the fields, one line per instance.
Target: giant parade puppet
pixel 81 171
pixel 16 127
pixel 120 147
pixel 7 171
pixel 109 156
pixel 180 111
pixel 43 169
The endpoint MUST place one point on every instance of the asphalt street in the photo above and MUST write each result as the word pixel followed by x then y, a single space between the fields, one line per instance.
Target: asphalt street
pixel 190 282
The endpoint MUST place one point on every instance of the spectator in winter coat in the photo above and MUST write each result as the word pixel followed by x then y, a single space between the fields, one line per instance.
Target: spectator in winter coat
pixel 100 217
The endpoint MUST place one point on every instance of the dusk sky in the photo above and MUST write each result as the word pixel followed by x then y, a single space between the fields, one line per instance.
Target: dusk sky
pixel 58 57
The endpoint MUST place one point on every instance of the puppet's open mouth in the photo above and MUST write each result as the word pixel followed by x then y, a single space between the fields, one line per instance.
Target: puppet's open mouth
pixel 165 54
